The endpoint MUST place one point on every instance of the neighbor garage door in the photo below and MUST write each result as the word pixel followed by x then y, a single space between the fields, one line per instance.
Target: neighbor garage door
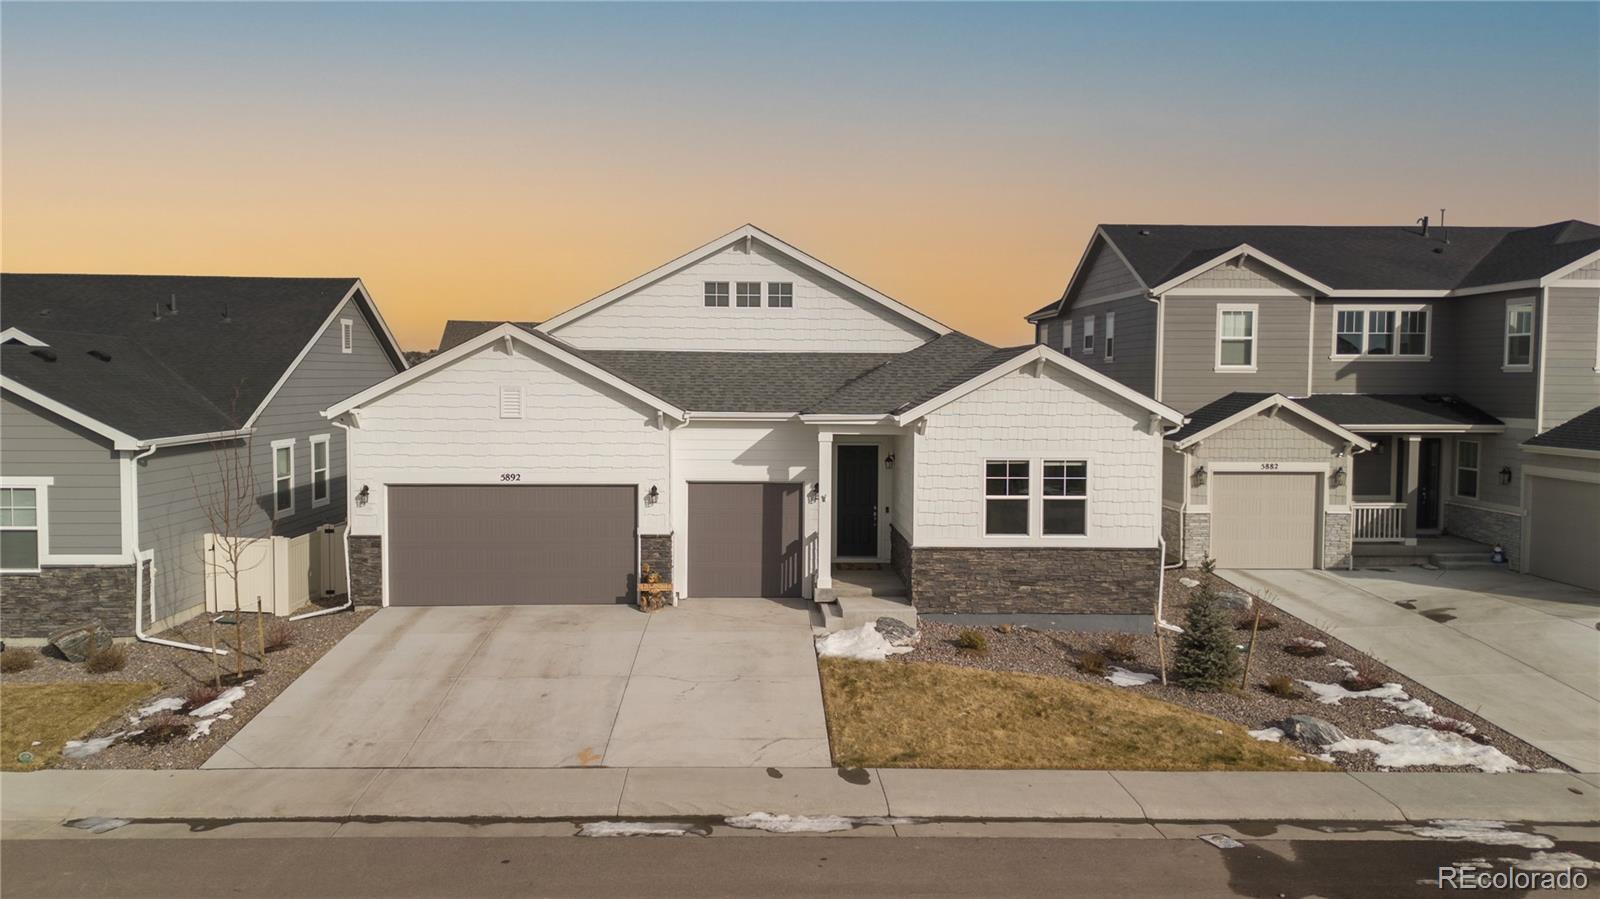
pixel 510 545
pixel 1261 520
pixel 1564 533
pixel 745 540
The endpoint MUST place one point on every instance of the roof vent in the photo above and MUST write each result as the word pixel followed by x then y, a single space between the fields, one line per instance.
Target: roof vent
pixel 225 313
pixel 1144 232
pixel 102 355
pixel 1438 250
pixel 44 353
pixel 158 310
pixel 172 305
pixel 1424 223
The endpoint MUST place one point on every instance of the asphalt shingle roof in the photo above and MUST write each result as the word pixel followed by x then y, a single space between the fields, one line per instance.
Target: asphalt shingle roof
pixel 1217 410
pixel 201 369
pixel 459 331
pixel 1391 409
pixel 1366 258
pixel 1581 433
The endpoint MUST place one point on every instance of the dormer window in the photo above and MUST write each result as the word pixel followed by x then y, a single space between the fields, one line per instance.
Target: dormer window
pixel 780 294
pixel 716 293
pixel 749 296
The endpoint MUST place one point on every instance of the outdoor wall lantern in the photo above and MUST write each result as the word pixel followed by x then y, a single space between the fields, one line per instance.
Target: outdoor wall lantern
pixel 654 494
pixel 888 461
pixel 1505 474
pixel 364 495
pixel 1200 475
pixel 1338 476
pixel 815 493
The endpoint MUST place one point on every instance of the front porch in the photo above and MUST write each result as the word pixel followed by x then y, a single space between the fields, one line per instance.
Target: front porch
pixel 1443 551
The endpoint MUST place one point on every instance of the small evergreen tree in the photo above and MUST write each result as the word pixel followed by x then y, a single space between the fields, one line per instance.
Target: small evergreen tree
pixel 1206 657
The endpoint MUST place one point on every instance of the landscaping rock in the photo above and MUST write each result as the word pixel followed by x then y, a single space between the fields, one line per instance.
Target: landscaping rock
pixel 1312 730
pixel 1188 582
pixel 1234 599
pixel 897 632
pixel 75 643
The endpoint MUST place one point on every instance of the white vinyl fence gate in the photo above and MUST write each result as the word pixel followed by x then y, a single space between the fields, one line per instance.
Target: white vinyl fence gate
pixel 285 573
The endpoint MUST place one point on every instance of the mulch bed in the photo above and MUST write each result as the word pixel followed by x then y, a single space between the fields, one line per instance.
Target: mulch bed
pixel 1053 653
pixel 179 669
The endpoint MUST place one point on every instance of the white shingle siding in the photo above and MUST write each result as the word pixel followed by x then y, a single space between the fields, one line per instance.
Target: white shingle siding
pixel 670 314
pixel 1590 272
pixel 446 428
pixel 1050 417
pixel 1284 437
pixel 1249 274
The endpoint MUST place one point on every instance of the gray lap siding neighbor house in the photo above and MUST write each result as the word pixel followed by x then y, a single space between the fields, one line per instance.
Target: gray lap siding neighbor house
pixel 669 387
pixel 1297 284
pixel 135 457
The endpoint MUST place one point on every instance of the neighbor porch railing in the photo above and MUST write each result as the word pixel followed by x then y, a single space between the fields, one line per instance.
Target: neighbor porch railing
pixel 1379 522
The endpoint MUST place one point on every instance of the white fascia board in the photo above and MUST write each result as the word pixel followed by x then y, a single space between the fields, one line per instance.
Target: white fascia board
pixel 743 232
pixel 1046 355
pixel 383 326
pixel 1429 429
pixel 1548 280
pixel 1389 294
pixel 20 336
pixel 1276 401
pixel 119 439
pixel 1059 306
pixel 1562 451
pixel 212 437
pixel 1249 252
pixel 828 418
pixel 740 416
pixel 511 333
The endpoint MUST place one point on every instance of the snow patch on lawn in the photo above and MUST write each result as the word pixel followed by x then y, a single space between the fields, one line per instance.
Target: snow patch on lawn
pixel 1122 677
pixel 863 643
pixel 807 823
pixel 1555 862
pixel 82 749
pixel 1406 745
pixel 1268 734
pixel 169 704
pixel 220 704
pixel 202 728
pixel 1333 694
pixel 1467 830
pixel 636 829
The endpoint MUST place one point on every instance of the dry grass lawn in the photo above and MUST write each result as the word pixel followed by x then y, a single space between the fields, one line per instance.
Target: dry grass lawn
pixel 920 715
pixel 55 713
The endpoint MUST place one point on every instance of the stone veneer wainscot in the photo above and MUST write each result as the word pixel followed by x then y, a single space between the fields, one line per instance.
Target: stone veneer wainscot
pixel 37 605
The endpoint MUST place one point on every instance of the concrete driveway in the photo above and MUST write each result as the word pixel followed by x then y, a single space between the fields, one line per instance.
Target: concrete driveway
pixel 1519 650
pixel 712 683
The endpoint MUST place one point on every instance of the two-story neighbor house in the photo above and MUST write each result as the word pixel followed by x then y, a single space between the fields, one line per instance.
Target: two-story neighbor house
pixel 1352 384
pixel 750 421
pixel 120 397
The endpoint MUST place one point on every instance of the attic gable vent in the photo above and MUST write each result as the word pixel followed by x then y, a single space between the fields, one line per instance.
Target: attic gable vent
pixel 511 402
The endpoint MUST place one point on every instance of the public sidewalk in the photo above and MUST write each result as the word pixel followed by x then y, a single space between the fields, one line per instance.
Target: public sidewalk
pixel 487 795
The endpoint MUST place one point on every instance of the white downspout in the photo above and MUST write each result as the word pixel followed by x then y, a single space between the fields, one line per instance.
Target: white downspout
pixel 149 555
pixel 349 590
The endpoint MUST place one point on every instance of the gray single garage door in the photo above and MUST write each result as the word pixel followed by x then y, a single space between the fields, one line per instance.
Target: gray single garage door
pixel 1564 534
pixel 510 545
pixel 745 540
pixel 1265 520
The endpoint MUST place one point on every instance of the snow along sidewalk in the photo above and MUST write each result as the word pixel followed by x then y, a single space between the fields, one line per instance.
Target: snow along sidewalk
pixel 532 794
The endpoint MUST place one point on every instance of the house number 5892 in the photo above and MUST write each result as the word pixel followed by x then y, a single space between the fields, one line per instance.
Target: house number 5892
pixel 510 476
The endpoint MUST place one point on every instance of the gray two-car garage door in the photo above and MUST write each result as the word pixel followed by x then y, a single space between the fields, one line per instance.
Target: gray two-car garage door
pixel 509 545
pixel 745 540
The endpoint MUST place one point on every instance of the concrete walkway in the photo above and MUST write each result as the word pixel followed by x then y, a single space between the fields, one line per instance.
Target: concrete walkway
pixel 1521 651
pixel 725 682
pixel 488 795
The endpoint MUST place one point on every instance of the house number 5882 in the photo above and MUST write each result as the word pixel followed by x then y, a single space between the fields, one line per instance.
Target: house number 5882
pixel 1269 466
pixel 510 476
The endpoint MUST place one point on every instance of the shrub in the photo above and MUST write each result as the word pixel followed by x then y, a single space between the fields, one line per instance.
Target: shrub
pixel 162 728
pixel 280 635
pixel 1205 657
pixel 1462 728
pixel 1356 682
pixel 1283 685
pixel 1305 649
pixel 972 641
pixel 1208 565
pixel 13 660
pixel 1120 648
pixel 1006 628
pixel 1246 622
pixel 106 659
pixel 198 695
pixel 1091 663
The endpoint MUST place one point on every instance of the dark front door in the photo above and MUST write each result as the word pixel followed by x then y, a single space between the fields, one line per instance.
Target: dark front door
pixel 1428 484
pixel 856 501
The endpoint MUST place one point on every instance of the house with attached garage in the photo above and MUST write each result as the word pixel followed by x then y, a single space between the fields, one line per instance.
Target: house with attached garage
pixel 1358 393
pixel 123 399
pixel 750 421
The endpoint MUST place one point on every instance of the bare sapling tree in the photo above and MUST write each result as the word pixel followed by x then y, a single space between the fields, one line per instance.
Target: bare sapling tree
pixel 228 495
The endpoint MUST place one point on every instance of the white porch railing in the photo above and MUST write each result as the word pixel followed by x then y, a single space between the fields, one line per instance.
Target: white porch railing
pixel 1379 522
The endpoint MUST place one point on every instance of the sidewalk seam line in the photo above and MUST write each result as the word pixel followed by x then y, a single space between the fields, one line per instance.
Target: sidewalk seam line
pixel 612 731
pixel 626 773
pixel 1403 815
pixel 888 809
pixel 1142 810
pixel 350 813
pixel 444 697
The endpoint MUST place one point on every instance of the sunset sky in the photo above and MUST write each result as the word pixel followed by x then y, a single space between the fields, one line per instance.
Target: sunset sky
pixel 509 161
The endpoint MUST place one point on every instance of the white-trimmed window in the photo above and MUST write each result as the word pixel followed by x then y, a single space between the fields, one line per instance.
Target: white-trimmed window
pixel 748 294
pixel 780 294
pixel 282 477
pixel 1066 337
pixel 347 335
pixel 320 492
pixel 1386 332
pixel 716 293
pixel 1519 335
pixel 21 537
pixel 1111 335
pixel 1005 495
pixel 511 401
pixel 1066 494
pixel 1236 337
pixel 1088 335
pixel 1041 333
pixel 1467 468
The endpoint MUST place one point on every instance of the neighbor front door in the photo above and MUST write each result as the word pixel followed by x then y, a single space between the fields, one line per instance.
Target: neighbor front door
pixel 1428 485
pixel 856 501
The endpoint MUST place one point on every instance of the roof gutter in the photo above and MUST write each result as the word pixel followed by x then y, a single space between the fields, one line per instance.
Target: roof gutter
pixel 187 439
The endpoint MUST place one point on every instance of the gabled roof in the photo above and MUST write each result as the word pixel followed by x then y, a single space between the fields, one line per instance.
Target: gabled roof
pixel 1227 411
pixel 1401 412
pixel 1343 258
pixel 739 382
pixel 459 331
pixel 906 379
pixel 1015 359
pixel 1581 434
pixel 743 232
pixel 206 367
